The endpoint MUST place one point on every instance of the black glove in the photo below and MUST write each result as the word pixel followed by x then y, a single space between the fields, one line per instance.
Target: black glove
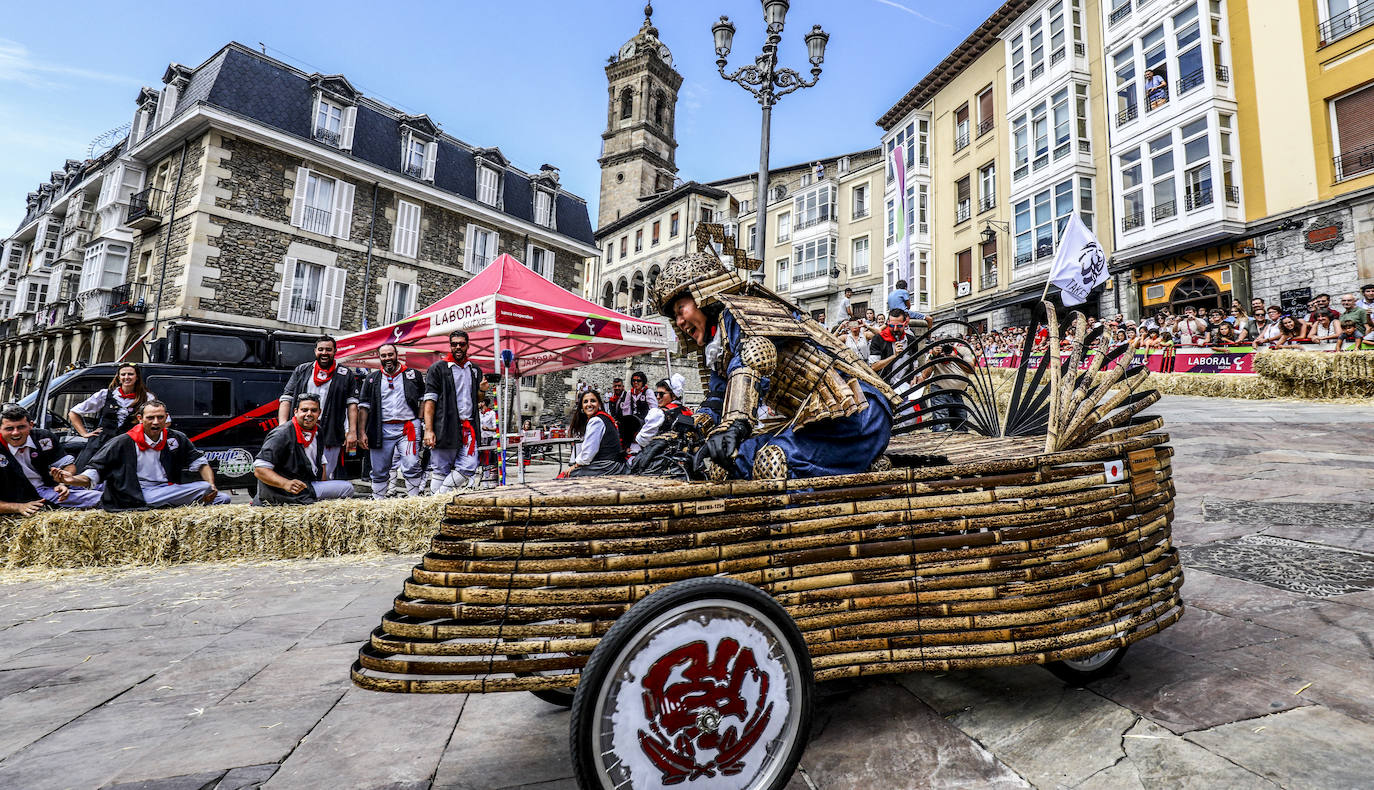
pixel 723 445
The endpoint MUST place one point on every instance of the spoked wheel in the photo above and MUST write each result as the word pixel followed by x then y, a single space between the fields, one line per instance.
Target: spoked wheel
pixel 1083 670
pixel 705 683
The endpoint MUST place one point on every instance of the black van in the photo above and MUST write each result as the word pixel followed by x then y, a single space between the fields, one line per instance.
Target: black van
pixel 221 386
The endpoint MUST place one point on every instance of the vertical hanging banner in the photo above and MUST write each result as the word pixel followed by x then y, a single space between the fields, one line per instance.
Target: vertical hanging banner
pixel 903 232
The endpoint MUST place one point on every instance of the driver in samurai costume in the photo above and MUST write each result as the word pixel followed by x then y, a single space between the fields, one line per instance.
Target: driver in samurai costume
pixel 836 412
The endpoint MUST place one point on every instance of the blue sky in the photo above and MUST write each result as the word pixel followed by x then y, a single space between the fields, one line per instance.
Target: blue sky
pixel 525 76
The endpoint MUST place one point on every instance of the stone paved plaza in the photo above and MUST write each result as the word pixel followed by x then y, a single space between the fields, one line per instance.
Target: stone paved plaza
pixel 235 676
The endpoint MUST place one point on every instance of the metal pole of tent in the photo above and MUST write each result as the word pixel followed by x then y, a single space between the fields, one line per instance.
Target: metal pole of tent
pixel 501 394
pixel 669 355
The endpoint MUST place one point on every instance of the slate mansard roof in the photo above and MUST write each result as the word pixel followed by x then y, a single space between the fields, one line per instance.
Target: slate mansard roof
pixel 279 96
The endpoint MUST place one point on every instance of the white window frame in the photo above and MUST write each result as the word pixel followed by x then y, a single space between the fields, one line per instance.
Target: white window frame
pixel 337 219
pixel 859 196
pixel 397 312
pixel 785 226
pixel 544 266
pixel 488 186
pixel 475 260
pixel 348 118
pixel 543 208
pixel 405 237
pixel 784 276
pixel 328 310
pixel 859 264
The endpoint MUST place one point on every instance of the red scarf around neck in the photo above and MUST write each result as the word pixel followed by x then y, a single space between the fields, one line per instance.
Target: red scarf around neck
pixel 136 433
pixel 686 412
pixel 399 370
pixel 322 375
pixel 453 361
pixel 304 437
pixel 125 395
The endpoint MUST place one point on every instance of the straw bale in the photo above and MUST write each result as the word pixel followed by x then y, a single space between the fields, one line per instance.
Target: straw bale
pixel 67 539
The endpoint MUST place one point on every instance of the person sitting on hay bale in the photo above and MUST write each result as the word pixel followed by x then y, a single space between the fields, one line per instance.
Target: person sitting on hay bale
pixel 757 347
pixel 28 458
pixel 600 451
pixel 291 467
pixel 336 387
pixel 143 468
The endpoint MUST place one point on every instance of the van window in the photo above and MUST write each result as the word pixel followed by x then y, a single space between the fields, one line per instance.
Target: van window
pixel 193 397
pixel 255 392
pixel 72 394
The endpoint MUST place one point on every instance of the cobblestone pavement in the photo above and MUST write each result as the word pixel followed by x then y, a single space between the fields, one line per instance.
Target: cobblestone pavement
pixel 232 676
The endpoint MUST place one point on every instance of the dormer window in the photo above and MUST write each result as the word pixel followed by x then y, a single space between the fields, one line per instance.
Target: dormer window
pixel 543 208
pixel 488 185
pixel 335 110
pixel 419 146
pixel 334 123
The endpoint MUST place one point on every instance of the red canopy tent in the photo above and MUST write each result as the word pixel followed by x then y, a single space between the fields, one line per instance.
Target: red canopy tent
pixel 507 305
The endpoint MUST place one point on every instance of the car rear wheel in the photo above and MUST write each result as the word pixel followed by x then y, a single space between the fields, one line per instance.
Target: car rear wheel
pixel 1084 670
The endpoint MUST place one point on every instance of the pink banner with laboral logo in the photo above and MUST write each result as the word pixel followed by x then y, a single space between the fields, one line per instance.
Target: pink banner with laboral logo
pixel 1234 359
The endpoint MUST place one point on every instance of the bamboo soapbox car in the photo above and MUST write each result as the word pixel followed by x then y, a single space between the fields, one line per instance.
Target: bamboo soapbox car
pixel 685 622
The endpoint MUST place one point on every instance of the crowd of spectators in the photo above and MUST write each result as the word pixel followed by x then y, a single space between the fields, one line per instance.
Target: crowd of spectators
pixel 1347 326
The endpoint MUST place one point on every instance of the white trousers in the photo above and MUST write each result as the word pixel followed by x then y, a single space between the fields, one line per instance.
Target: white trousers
pixel 180 494
pixel 390 455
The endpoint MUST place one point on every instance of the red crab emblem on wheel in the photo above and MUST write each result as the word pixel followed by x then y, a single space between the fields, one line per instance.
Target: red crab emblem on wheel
pixel 696 706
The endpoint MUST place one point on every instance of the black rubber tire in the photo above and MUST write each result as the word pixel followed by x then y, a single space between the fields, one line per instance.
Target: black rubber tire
pixel 563 698
pixel 1086 670
pixel 627 630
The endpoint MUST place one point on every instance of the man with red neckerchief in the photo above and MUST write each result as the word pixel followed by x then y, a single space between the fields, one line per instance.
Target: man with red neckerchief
pixel 453 423
pixel 336 387
pixel 290 466
pixel 144 468
pixel 389 409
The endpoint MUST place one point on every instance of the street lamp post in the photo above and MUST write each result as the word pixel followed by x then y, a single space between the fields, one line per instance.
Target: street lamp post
pixel 768 83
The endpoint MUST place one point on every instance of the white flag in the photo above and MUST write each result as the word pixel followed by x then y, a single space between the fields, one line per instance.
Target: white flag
pixel 1080 265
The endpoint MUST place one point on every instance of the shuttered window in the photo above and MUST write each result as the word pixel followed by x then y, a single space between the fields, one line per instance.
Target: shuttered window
pixel 406 240
pixel 1354 115
pixel 984 109
pixel 964 260
pixel 311 294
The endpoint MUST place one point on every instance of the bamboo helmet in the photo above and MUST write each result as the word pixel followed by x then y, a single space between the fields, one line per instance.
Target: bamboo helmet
pixel 700 275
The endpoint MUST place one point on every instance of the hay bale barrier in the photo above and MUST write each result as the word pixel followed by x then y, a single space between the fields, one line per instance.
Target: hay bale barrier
pixel 73 539
pixel 1278 374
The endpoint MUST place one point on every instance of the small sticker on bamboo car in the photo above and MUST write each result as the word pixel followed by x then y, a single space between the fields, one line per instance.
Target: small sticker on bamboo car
pixel 714 506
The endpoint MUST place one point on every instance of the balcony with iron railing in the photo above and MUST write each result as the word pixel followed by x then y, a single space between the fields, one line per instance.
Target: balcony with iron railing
pixel 1133 220
pixel 1044 249
pixel 1056 57
pixel 961 212
pixel 1023 258
pixel 415 171
pixel 328 137
pixel 1128 114
pixel 1354 162
pixel 989 278
pixel 961 141
pixel 128 299
pixel 71 313
pixel 1018 84
pixel 985 126
pixel 812 219
pixel 94 304
pixel 305 311
pixel 1079 48
pixel 1191 80
pixel 1119 14
pixel 1232 194
pixel 145 209
pixel 987 203
pixel 1037 70
pixel 1164 210
pixel 316 220
pixel 1223 74
pixel 1343 24
pixel 1197 198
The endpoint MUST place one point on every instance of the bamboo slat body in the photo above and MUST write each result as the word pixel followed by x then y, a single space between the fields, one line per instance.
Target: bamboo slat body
pixel 972 552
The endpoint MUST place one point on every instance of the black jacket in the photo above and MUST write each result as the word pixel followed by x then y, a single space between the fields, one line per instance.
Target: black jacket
pixel 448 423
pixel 289 460
pixel 370 398
pixel 117 463
pixel 334 410
pixel 46 452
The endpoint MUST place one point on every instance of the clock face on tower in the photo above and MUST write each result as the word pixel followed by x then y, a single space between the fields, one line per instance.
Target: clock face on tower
pixel 627 51
pixel 665 55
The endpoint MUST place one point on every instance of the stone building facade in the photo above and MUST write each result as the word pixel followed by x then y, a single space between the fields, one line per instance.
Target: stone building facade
pixel 267 197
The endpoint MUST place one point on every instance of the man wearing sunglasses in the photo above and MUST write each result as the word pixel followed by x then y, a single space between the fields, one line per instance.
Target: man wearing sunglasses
pixel 389 408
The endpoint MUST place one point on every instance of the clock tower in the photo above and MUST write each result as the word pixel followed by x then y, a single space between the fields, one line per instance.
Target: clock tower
pixel 638 148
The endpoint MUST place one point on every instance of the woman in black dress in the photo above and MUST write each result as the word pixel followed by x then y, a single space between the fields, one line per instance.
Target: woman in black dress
pixel 599 453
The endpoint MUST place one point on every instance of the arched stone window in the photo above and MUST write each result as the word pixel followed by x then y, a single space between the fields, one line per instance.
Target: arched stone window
pixel 627 103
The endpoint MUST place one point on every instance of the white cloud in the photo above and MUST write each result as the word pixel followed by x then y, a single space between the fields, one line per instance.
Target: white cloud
pixel 912 11
pixel 18 65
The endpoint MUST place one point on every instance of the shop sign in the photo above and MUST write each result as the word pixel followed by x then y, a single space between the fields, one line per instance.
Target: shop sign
pixel 1323 234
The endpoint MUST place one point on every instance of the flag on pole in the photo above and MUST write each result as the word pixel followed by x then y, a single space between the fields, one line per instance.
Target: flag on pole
pixel 1079 265
pixel 902 231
